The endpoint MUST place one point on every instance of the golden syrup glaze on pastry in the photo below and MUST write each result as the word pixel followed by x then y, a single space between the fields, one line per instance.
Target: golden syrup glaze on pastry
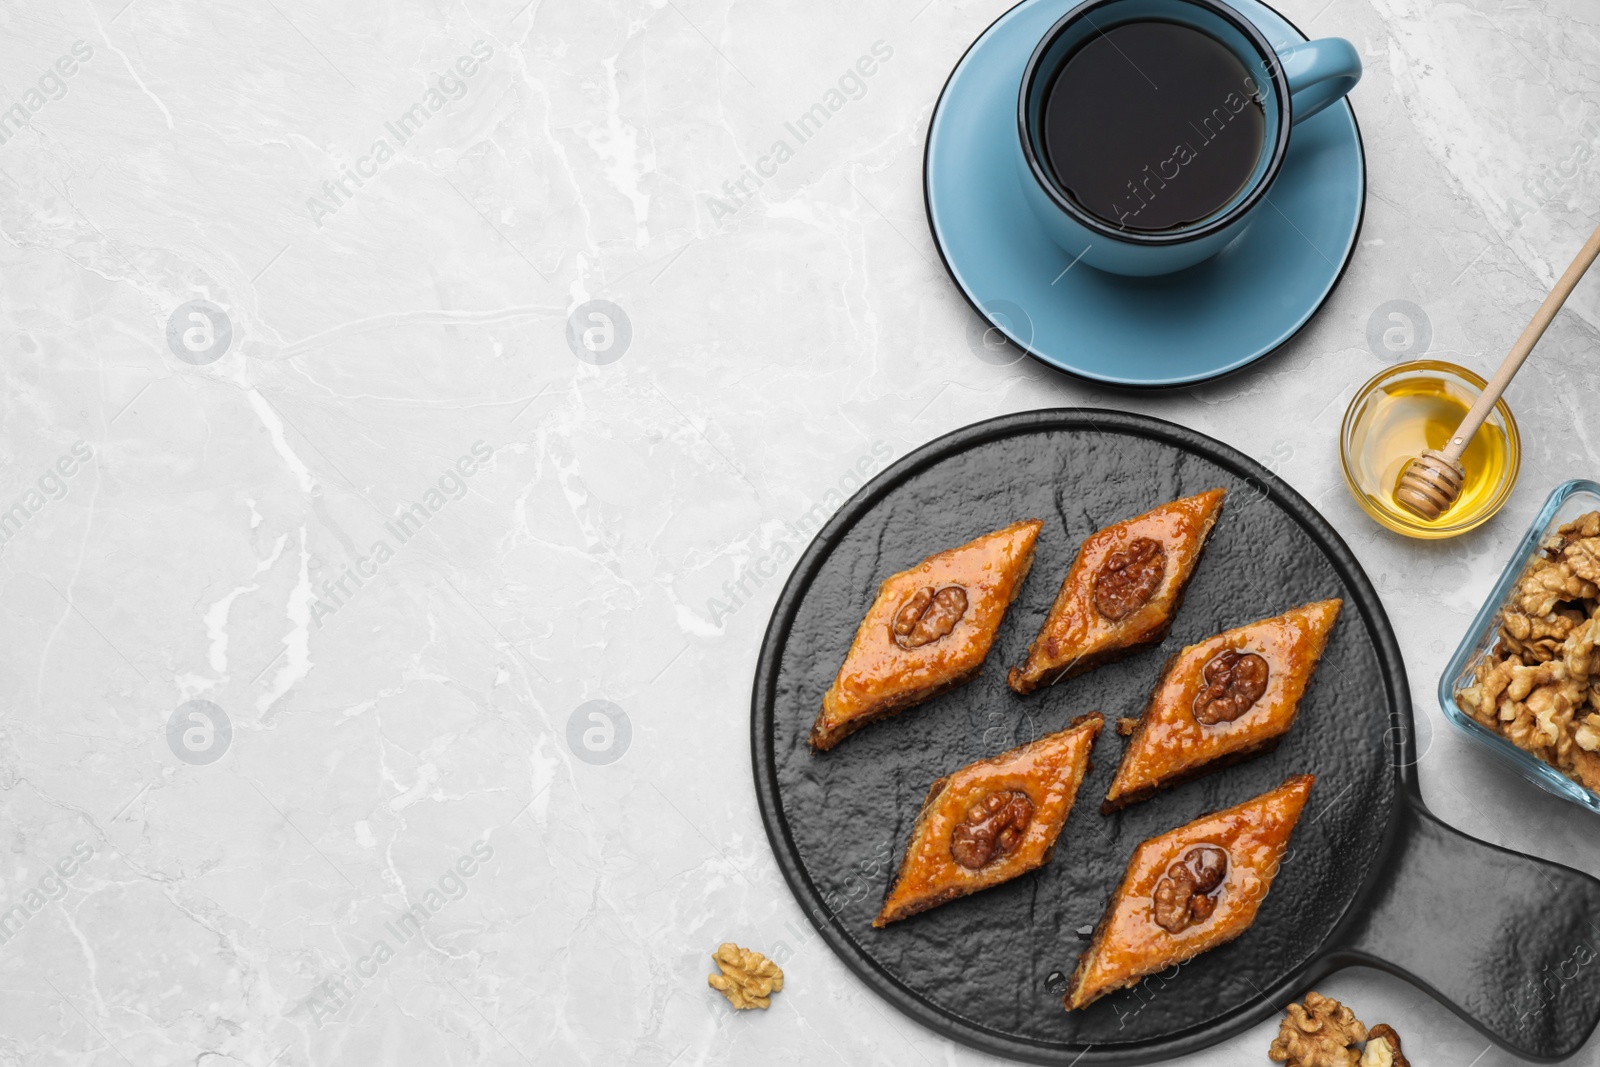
pixel 1129 943
pixel 1049 771
pixel 1077 636
pixel 1170 745
pixel 881 676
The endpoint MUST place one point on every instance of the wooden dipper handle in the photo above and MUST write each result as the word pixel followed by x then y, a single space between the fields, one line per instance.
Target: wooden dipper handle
pixel 1519 351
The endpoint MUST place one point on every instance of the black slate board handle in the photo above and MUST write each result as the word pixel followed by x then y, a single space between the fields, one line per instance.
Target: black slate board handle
pixel 1508 942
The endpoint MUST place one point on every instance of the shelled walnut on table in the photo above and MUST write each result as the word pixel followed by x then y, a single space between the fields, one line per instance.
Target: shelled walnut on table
pixel 1539 687
pixel 1321 1032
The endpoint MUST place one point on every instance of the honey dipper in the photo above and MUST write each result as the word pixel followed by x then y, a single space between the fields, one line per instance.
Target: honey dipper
pixel 1433 480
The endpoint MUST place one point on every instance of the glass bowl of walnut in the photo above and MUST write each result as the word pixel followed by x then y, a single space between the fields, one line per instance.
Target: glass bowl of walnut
pixel 1526 679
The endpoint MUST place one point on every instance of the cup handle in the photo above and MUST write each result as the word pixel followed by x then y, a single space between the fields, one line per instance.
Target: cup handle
pixel 1318 73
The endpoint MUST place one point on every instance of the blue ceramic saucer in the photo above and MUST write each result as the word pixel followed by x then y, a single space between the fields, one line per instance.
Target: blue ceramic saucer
pixel 1178 329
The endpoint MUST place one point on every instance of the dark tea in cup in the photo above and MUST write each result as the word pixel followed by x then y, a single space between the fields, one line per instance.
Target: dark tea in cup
pixel 1149 132
pixel 1153 126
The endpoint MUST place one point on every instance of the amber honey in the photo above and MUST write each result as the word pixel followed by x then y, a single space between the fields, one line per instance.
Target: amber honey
pixel 1417 406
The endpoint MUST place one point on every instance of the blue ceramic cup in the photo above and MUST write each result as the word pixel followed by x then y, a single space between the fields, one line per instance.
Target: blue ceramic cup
pixel 1290 86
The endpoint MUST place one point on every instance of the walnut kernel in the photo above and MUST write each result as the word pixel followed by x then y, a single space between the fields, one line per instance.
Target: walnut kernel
pixel 993 827
pixel 1233 684
pixel 748 978
pixel 1318 1033
pixel 1383 1048
pixel 926 616
pixel 1129 577
pixel 1187 893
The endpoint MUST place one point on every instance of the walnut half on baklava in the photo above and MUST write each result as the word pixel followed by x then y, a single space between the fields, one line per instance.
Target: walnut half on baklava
pixel 1188 891
pixel 928 631
pixel 1223 700
pixel 1121 592
pixel 991 821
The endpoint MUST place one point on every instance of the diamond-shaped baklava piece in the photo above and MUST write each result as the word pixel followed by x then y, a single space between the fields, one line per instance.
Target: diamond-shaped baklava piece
pixel 1222 701
pixel 928 631
pixel 991 821
pixel 1121 592
pixel 1188 891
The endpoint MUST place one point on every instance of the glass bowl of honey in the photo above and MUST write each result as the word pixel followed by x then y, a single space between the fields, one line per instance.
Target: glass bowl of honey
pixel 1413 406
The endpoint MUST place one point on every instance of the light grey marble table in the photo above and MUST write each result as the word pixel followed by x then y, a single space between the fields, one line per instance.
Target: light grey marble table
pixel 321 542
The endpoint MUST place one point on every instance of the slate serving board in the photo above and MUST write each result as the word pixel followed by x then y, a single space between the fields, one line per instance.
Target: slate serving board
pixel 1371 876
